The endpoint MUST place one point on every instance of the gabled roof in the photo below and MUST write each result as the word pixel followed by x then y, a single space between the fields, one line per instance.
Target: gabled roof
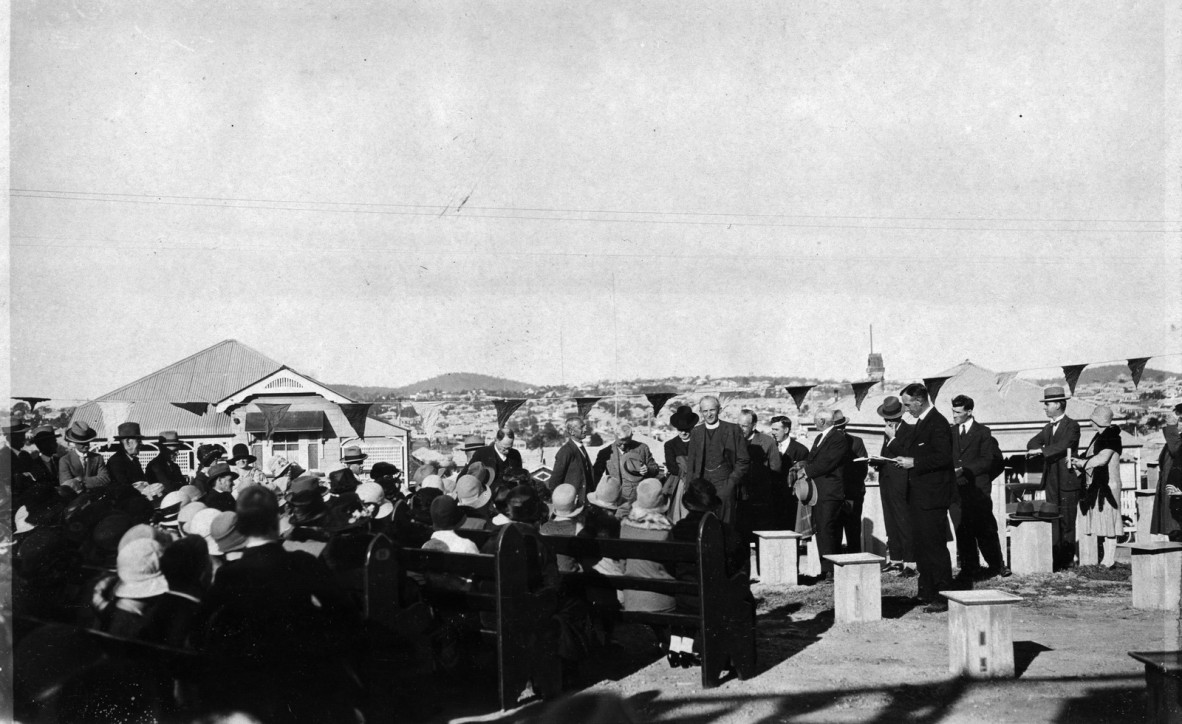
pixel 210 375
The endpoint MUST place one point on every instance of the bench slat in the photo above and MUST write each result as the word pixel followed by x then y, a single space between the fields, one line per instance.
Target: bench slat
pixel 465 564
pixel 683 620
pixel 661 551
pixel 633 583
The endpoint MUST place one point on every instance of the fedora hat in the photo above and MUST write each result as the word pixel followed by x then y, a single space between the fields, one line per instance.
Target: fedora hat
pixel 219 469
pixel 1048 510
pixel 607 495
pixel 891 408
pixel 684 418
pixel 486 475
pixel 16 428
pixel 471 442
pixel 242 452
pixel 1102 416
pixel 169 438
pixel 633 467
pixel 128 431
pixel 210 455
pixel 471 493
pixel 352 454
pixel 564 501
pixel 1023 510
pixel 80 432
pixel 700 495
pixel 1054 394
pixel 806 490
pixel 839 419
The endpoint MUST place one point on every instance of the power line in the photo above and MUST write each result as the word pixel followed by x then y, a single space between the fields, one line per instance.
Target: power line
pixel 530 214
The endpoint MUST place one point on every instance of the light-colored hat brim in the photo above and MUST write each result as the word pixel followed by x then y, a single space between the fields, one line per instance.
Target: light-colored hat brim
pixel 479 501
pixel 146 588
pixel 594 499
pixel 567 514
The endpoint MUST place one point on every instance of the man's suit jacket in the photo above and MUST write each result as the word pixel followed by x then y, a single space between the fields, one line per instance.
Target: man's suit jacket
pixel 571 468
pixel 608 461
pixel 124 469
pixel 93 474
pixel 1055 448
pixel 932 482
pixel 826 464
pixel 766 464
pixel 166 472
pixel 893 476
pixel 487 456
pixel 977 454
pixel 853 474
pixel 795 453
pixel 734 452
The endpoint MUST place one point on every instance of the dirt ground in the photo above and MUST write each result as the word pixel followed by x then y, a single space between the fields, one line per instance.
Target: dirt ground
pixel 1072 635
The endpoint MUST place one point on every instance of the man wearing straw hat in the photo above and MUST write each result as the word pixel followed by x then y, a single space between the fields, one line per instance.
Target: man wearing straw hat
pixel 1057 443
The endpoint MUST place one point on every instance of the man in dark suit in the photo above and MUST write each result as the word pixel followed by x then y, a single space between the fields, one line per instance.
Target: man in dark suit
pixel 572 464
pixel 977 458
pixel 931 483
pixel 124 465
pixel 16 465
pixel 853 475
pixel 825 467
pixel 1057 442
pixel 756 510
pixel 498 457
pixel 892 488
pixel 163 468
pixel 49 451
pixel 1168 462
pixel 80 469
pixel 791 452
pixel 718 453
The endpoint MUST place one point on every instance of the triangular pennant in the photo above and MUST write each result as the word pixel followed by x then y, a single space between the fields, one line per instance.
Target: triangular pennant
pixel 1136 369
pixel 934 384
pixel 196 408
pixel 1071 373
pixel 272 414
pixel 32 402
pixel 585 404
pixel 431 414
pixel 798 393
pixel 115 413
pixel 860 390
pixel 505 409
pixel 658 400
pixel 1003 381
pixel 356 413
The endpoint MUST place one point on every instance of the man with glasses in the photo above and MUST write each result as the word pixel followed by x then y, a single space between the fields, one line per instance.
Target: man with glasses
pixel 718 453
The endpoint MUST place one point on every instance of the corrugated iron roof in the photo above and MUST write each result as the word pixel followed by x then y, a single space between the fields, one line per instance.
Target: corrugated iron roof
pixel 155 417
pixel 210 375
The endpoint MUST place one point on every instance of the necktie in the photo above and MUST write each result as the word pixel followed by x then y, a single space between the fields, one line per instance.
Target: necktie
pixel 817 441
pixel 964 429
pixel 586 457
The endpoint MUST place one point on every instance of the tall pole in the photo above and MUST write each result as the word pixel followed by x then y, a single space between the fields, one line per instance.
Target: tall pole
pixel 615 349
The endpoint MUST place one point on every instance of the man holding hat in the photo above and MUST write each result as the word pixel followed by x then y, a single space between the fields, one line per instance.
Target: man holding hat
pixel 1057 443
pixel 892 486
pixel 124 465
pixel 825 467
pixel 498 457
pixel 163 468
pixel 611 460
pixel 81 469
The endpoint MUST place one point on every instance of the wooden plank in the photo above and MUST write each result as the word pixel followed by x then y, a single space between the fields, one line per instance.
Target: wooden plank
pixel 853 559
pixel 670 586
pixel 1153 547
pixel 660 551
pixel 1157 576
pixel 469 565
pixel 980 597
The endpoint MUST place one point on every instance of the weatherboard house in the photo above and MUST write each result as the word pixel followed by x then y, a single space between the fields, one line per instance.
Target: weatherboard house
pixel 214 396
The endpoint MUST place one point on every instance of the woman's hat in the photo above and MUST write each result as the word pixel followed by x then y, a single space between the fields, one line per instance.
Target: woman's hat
pixel 806 490
pixel 486 475
pixel 224 531
pixel 649 498
pixel 186 514
pixel 891 408
pixel 211 454
pixel 129 431
pixel 80 432
pixel 470 493
pixel 563 501
pixel 420 504
pixel 445 514
pixel 448 485
pixel 1102 415
pixel 139 570
pixel 1054 394
pixel 143 530
pixel 372 494
pixel 524 505
pixel 700 495
pixel 471 442
pixel 200 525
pixel 423 471
pixel 684 418
pixel 342 481
pixel 352 454
pixel 191 493
pixel 607 495
pixel 219 469
pixel 169 438
pixel 383 469
pixel 433 481
pixel 242 452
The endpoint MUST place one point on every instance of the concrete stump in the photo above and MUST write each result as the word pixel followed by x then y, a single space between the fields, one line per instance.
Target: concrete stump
pixel 980 633
pixel 1030 547
pixel 779 553
pixel 1162 672
pixel 1157 575
pixel 857 587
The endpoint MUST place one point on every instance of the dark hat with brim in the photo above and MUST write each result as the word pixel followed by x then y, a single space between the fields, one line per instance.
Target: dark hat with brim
pixel 446 513
pixel 129 431
pixel 891 408
pixel 80 432
pixel 170 438
pixel 242 452
pixel 43 432
pixel 701 495
pixel 839 419
pixel 210 455
pixel 16 428
pixel 684 418
pixel 217 470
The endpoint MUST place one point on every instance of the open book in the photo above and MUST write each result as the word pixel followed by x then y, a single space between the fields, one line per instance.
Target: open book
pixel 874 459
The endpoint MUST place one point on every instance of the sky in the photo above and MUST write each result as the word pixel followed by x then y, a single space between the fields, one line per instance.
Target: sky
pixel 376 193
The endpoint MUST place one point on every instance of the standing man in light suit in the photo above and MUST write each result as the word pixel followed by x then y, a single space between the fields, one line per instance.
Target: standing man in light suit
pixel 718 453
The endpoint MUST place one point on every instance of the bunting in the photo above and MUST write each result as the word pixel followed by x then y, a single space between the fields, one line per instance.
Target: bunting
pixel 1072 373
pixel 195 408
pixel 32 402
pixel 934 384
pixel 272 414
pixel 1003 381
pixel 585 404
pixel 356 413
pixel 860 390
pixel 115 413
pixel 431 414
pixel 505 410
pixel 798 393
pixel 1137 368
pixel 658 400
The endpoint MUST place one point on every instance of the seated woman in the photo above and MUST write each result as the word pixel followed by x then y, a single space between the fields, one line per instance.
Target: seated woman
pixel 566 521
pixel 646 521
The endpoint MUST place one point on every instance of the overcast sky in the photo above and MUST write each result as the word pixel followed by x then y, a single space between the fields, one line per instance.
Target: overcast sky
pixel 563 192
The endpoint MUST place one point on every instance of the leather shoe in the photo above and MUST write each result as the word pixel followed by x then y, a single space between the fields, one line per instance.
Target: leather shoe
pixel 907 573
pixel 674 658
pixel 936 607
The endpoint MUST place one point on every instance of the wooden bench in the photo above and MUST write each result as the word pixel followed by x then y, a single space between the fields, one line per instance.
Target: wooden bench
pixel 1163 672
pixel 980 633
pixel 725 623
pixel 1157 575
pixel 857 587
pixel 526 653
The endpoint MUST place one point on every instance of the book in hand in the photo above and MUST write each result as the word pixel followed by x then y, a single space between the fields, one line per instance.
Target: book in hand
pixel 874 459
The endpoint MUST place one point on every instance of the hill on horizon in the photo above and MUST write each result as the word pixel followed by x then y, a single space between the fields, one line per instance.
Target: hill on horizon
pixel 452 382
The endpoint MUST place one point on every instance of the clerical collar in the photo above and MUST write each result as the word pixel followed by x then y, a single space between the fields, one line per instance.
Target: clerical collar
pixel 711 427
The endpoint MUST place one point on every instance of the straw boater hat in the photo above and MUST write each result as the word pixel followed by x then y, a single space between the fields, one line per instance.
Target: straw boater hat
pixel 470 493
pixel 1054 394
pixel 129 431
pixel 564 502
pixel 471 442
pixel 607 495
pixel 79 432
pixel 139 570
pixel 1102 416
pixel 891 409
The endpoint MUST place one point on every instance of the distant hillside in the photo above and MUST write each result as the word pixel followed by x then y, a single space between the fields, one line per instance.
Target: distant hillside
pixel 1112 373
pixel 450 383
